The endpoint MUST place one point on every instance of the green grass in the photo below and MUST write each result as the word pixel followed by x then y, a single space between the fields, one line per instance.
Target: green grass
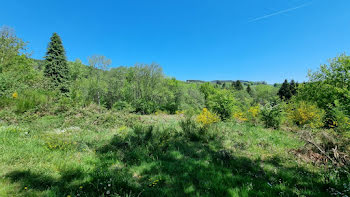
pixel 67 156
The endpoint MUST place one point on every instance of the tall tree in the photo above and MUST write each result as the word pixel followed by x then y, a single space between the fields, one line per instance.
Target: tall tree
pixel 10 47
pixel 98 64
pixel 238 85
pixel 249 90
pixel 293 87
pixel 285 92
pixel 56 67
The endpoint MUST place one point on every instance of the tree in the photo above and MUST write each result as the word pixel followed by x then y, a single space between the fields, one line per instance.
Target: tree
pixel 98 64
pixel 238 85
pixel 249 90
pixel 10 47
pixel 285 91
pixel 56 67
pixel 293 87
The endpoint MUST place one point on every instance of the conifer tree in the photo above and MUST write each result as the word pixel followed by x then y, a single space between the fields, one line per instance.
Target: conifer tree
pixel 293 87
pixel 56 67
pixel 238 85
pixel 249 90
pixel 285 91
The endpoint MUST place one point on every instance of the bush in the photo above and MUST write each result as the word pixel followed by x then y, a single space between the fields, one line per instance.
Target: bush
pixel 206 118
pixel 341 121
pixel 222 103
pixel 123 106
pixel 305 114
pixel 31 100
pixel 191 129
pixel 253 114
pixel 271 116
pixel 240 116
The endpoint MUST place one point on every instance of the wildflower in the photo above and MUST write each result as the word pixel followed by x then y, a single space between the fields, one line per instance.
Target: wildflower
pixel 15 95
pixel 206 118
pixel 81 187
pixel 25 188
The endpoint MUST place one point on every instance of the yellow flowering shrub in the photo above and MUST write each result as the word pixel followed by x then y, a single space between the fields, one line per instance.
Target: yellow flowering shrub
pixel 206 118
pixel 15 95
pixel 305 114
pixel 240 116
pixel 180 112
pixel 253 113
pixel 160 112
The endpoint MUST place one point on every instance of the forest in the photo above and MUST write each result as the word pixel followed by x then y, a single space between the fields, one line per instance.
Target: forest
pixel 74 129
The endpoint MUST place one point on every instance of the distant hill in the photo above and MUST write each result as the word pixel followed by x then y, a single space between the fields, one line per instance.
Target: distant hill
pixel 227 81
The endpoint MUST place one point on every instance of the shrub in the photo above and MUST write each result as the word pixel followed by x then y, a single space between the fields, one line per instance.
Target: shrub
pixel 240 116
pixel 341 121
pixel 191 129
pixel 305 114
pixel 222 103
pixel 206 118
pixel 253 113
pixel 31 100
pixel 271 116
pixel 123 106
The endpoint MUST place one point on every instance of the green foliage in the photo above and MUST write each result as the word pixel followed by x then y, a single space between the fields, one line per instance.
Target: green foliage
pixel 328 86
pixel 10 47
pixel 285 92
pixel 222 103
pixel 191 129
pixel 264 94
pixel 271 115
pixel 249 89
pixel 341 121
pixel 56 67
pixel 238 85
pixel 123 106
pixel 32 100
pixel 305 114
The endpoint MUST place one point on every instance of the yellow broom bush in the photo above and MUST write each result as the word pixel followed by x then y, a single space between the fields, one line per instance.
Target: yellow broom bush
pixel 305 114
pixel 206 118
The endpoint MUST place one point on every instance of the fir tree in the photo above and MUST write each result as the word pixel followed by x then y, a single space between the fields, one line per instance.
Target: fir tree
pixel 56 67
pixel 285 91
pixel 238 85
pixel 293 87
pixel 249 90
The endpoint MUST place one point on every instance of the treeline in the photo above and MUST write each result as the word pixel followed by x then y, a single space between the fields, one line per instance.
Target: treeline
pixel 55 84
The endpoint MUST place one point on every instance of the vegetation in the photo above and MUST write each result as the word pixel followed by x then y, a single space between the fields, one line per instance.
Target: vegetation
pixel 69 129
pixel 56 68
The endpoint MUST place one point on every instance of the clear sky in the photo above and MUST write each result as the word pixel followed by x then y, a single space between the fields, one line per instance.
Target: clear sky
pixel 191 39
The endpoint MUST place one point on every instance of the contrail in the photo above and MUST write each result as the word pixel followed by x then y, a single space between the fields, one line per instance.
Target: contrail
pixel 280 12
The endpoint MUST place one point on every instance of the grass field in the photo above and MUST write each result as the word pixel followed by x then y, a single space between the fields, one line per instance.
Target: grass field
pixel 77 155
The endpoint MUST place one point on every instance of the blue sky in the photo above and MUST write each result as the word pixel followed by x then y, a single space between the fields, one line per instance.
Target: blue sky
pixel 191 39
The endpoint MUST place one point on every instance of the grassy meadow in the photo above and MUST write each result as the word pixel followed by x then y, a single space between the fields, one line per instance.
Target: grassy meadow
pixel 88 153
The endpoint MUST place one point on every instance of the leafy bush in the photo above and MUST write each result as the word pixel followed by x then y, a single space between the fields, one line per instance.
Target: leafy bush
pixel 240 116
pixel 223 103
pixel 206 118
pixel 31 100
pixel 271 116
pixel 305 114
pixel 341 121
pixel 191 129
pixel 123 106
pixel 253 113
